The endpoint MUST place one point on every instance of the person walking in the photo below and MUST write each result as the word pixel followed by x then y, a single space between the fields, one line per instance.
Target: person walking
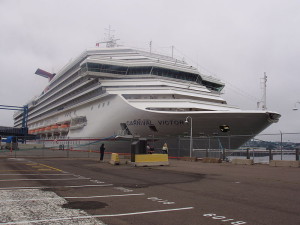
pixel 165 149
pixel 102 149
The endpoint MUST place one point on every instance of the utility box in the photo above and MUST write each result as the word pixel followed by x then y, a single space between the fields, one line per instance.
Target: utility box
pixel 142 146
pixel 134 147
pixel 138 147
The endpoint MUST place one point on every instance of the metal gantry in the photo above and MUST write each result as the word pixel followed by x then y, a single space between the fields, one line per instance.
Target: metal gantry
pixel 25 112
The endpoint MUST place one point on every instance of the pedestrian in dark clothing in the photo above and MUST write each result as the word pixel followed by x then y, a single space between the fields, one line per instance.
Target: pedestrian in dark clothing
pixel 102 149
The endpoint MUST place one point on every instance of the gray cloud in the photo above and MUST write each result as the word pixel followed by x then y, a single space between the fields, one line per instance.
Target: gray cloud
pixel 235 40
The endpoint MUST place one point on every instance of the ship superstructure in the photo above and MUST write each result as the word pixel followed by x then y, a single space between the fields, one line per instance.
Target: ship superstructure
pixel 123 92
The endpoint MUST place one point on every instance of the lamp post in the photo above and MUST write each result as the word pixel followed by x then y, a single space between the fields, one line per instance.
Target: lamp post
pixel 225 129
pixel 191 136
pixel 295 108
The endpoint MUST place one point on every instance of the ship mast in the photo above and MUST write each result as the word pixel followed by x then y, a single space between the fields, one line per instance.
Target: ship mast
pixel 111 42
pixel 263 102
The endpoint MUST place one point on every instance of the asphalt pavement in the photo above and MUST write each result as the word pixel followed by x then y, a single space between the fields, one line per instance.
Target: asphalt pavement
pixel 85 191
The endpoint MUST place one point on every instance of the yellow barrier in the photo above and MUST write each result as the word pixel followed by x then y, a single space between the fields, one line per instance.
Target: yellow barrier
pixel 151 158
pixel 115 160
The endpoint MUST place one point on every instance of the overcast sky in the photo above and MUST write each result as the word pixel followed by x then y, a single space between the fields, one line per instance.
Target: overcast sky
pixel 235 40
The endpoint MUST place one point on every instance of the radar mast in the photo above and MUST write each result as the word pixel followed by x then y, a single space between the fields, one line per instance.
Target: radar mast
pixel 110 40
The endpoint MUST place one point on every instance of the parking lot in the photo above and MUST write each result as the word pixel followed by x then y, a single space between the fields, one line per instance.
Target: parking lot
pixel 84 191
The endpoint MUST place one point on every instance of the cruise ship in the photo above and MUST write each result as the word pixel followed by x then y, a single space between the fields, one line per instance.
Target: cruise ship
pixel 116 93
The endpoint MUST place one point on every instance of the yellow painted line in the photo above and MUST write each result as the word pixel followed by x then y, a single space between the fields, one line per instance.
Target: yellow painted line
pixel 31 164
pixel 45 169
pixel 51 167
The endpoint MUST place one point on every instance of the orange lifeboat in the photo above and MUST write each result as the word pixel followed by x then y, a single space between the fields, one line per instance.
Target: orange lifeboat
pixel 64 127
pixel 54 127
pixel 40 130
pixel 48 129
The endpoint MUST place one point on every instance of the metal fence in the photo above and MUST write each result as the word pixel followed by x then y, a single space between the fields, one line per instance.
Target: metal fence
pixel 281 146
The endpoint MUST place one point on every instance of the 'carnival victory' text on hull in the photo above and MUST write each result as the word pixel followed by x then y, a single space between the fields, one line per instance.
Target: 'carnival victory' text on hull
pixel 117 94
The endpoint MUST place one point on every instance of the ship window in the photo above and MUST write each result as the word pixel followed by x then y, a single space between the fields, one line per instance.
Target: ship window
pixel 95 67
pixel 139 70
pixel 125 129
pixel 114 69
pixel 153 128
pixel 213 86
pixel 108 103
pixel 103 104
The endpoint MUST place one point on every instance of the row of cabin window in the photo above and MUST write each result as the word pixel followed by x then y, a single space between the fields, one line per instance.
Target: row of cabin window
pixel 94 67
pixel 80 99
pixel 75 92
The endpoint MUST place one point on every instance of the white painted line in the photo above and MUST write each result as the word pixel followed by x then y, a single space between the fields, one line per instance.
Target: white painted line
pixel 37 174
pixel 42 187
pixel 17 159
pixel 79 178
pixel 84 197
pixel 99 216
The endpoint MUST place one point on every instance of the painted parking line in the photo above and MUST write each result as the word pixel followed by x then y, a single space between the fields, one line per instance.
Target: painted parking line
pixel 75 197
pixel 42 187
pixel 50 167
pixel 80 178
pixel 35 174
pixel 16 170
pixel 99 216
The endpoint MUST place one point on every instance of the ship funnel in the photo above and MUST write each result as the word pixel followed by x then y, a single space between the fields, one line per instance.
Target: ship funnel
pixel 45 74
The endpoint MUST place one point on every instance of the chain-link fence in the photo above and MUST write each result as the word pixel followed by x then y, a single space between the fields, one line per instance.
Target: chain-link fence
pixel 281 146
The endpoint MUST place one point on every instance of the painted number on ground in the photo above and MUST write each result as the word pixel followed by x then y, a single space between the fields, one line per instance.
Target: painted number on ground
pixel 155 199
pixel 223 219
pixel 123 189
pixel 97 181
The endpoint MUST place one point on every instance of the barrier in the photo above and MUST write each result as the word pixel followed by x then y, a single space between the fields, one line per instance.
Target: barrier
pixel 151 160
pixel 114 160
pixel 284 163
pixel 242 161
pixel 211 160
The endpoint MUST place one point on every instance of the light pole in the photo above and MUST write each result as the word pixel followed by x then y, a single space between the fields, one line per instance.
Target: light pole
pixel 225 129
pixel 191 136
pixel 295 108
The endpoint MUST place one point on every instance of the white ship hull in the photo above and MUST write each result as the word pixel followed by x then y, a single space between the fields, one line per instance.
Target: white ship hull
pixel 105 116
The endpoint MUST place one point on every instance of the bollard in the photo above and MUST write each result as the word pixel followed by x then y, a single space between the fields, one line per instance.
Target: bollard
pixel 247 153
pixel 224 154
pixel 297 154
pixel 270 155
